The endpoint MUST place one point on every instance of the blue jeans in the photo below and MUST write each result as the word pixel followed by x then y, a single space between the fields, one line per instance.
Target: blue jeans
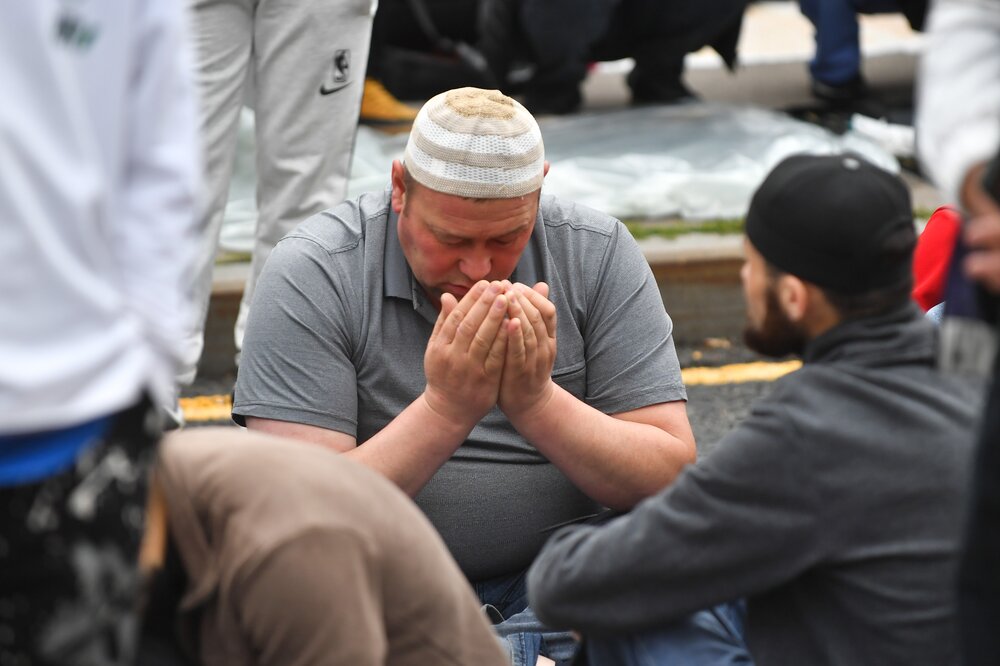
pixel 838 49
pixel 521 633
pixel 712 637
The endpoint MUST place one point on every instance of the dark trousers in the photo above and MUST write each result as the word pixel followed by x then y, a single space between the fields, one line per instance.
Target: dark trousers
pixel 979 568
pixel 564 35
pixel 68 551
pixel 838 47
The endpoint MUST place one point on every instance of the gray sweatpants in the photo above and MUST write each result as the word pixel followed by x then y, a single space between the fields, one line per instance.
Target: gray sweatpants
pixel 305 61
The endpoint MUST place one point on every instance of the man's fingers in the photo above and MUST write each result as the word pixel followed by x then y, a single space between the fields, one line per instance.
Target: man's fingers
pixel 518 311
pixel 460 312
pixel 538 296
pixel 482 343
pixel 448 304
pixel 541 288
pixel 474 319
pixel 498 352
pixel 973 196
pixel 983 232
pixel 984 267
pixel 539 333
pixel 515 343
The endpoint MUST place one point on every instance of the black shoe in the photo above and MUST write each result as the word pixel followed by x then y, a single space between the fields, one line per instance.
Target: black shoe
pixel 667 90
pixel 852 97
pixel 553 101
pixel 845 93
pixel 677 94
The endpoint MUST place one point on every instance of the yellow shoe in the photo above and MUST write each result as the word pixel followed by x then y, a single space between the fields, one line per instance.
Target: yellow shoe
pixel 381 110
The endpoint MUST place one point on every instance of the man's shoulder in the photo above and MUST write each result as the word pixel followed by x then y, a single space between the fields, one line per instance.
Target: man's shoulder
pixel 812 386
pixel 584 241
pixel 560 213
pixel 343 227
pixel 817 395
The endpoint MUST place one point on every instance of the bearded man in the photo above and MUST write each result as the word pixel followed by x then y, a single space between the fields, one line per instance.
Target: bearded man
pixel 835 508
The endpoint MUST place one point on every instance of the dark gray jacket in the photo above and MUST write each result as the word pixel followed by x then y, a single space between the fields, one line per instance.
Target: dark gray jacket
pixel 834 508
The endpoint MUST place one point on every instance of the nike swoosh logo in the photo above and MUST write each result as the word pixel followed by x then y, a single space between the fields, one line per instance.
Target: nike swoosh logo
pixel 323 90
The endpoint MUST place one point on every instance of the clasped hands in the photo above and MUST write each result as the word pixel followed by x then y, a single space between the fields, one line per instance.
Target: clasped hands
pixel 982 235
pixel 982 232
pixel 496 346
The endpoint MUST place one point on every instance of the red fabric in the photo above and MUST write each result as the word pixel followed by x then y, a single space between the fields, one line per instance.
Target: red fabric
pixel 932 256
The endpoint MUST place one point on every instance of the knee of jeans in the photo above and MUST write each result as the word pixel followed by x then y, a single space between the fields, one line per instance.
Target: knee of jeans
pixel 522 648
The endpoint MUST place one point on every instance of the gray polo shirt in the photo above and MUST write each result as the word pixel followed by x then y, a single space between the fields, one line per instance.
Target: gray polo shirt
pixel 336 339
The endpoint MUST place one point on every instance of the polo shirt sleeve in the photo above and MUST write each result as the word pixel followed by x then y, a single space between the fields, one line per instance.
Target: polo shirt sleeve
pixel 296 363
pixel 631 360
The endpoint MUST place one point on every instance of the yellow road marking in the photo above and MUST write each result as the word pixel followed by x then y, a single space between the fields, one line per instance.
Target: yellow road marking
pixel 207 408
pixel 738 373
pixel 219 407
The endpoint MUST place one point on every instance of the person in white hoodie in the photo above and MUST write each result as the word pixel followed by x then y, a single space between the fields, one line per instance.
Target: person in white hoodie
pixel 958 131
pixel 98 142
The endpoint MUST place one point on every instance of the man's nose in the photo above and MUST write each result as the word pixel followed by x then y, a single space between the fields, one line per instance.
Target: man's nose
pixel 476 266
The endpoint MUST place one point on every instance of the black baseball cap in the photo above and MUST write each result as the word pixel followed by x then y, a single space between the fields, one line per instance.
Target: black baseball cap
pixel 837 221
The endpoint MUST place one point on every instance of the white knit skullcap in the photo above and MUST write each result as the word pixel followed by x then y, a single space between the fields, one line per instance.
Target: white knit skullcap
pixel 476 143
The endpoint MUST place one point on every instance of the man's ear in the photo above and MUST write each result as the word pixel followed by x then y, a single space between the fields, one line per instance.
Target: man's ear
pixel 398 187
pixel 793 297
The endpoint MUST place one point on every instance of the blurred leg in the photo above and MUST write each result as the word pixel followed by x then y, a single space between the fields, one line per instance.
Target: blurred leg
pixel 658 34
pixel 838 52
pixel 309 62
pixel 68 553
pixel 560 34
pixel 712 637
pixel 521 633
pixel 838 49
pixel 222 34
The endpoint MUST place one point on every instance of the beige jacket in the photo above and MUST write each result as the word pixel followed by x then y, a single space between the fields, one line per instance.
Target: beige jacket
pixel 298 556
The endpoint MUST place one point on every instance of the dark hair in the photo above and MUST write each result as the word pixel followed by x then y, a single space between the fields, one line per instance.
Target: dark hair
pixel 869 304
pixel 408 180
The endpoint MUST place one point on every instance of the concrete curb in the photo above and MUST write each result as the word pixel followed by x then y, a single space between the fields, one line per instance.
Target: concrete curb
pixel 699 280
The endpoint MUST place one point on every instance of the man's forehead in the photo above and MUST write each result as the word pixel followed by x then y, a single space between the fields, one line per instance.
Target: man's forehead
pixel 511 228
pixel 446 213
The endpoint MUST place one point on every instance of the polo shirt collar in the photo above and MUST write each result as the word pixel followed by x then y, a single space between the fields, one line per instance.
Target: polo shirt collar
pixel 397 277
pixel 529 267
